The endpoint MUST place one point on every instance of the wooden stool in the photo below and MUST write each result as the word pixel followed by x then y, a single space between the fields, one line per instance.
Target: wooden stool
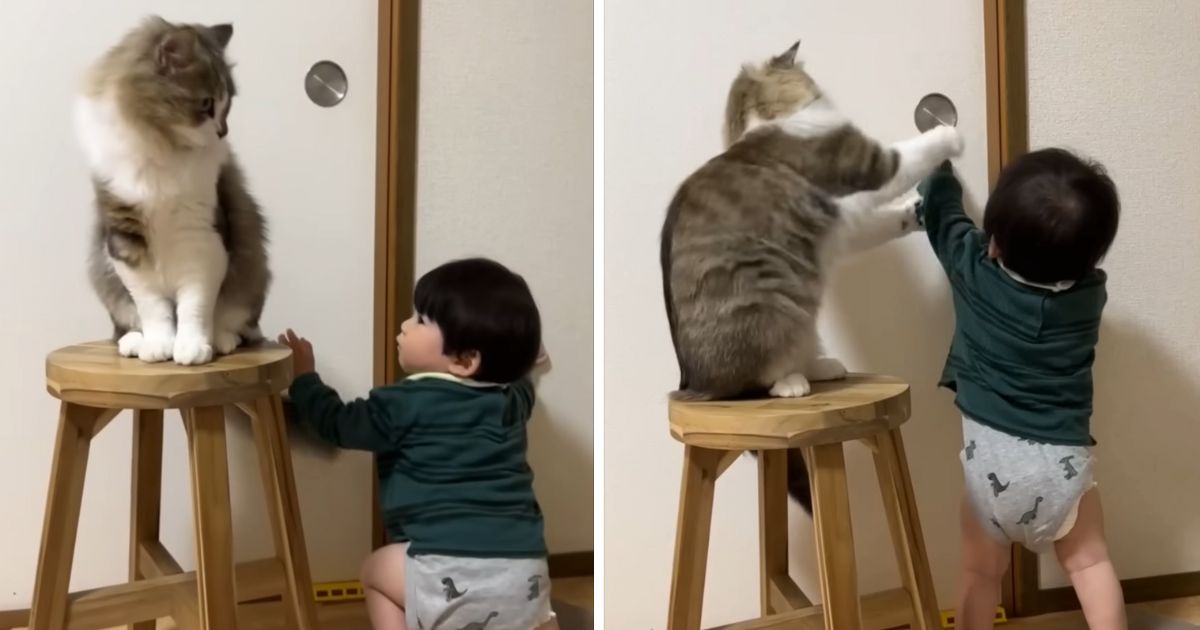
pixel 94 384
pixel 862 407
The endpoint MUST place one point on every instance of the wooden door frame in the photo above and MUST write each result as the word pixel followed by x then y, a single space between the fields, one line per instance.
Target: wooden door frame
pixel 1008 136
pixel 395 195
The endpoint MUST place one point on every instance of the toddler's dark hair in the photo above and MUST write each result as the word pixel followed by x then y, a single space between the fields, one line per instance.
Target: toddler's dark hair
pixel 481 306
pixel 1052 215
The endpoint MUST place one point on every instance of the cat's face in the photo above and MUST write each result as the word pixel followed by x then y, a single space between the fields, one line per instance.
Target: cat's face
pixel 174 80
pixel 774 89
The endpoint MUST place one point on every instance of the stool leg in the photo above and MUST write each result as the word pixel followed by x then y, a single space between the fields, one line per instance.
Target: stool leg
pixel 772 523
pixel 279 488
pixel 214 523
pixel 895 486
pixel 76 425
pixel 700 472
pixel 145 499
pixel 835 537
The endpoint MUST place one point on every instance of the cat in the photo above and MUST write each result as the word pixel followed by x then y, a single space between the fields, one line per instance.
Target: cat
pixel 178 254
pixel 750 236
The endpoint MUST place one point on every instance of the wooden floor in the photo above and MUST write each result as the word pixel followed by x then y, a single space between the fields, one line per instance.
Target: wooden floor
pixel 353 616
pixel 578 591
pixel 1186 609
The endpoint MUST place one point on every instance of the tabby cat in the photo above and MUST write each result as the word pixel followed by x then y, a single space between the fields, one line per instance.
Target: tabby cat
pixel 749 237
pixel 178 255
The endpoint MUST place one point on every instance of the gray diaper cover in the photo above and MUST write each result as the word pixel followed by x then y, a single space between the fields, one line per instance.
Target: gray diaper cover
pixel 462 593
pixel 1021 490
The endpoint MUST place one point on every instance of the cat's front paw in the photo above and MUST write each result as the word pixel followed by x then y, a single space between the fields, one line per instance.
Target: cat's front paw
pixel 192 350
pixel 791 386
pixel 156 346
pixel 950 141
pixel 907 211
pixel 910 222
pixel 130 344
pixel 226 341
pixel 826 369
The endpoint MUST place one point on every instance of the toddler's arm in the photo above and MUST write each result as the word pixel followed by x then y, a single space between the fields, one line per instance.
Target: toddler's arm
pixel 521 392
pixel 362 424
pixel 522 395
pixel 955 239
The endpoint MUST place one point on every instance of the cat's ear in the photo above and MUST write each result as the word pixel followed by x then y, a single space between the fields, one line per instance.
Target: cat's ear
pixel 222 33
pixel 788 58
pixel 176 50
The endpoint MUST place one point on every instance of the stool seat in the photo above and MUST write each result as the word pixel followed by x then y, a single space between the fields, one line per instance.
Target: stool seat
pixel 854 408
pixel 95 374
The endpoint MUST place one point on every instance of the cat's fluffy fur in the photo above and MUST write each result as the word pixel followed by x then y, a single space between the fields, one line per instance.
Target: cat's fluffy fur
pixel 179 250
pixel 750 236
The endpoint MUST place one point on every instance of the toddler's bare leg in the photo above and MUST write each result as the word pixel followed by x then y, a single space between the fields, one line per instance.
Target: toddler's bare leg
pixel 1084 557
pixel 984 562
pixel 383 581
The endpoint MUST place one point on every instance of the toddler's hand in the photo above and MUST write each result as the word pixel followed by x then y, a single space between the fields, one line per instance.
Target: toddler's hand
pixel 302 353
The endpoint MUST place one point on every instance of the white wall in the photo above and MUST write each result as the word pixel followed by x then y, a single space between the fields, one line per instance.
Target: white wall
pixel 1117 81
pixel 666 76
pixel 313 171
pixel 505 171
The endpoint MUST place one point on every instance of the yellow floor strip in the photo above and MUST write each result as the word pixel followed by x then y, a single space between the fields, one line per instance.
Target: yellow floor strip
pixel 325 592
pixel 948 617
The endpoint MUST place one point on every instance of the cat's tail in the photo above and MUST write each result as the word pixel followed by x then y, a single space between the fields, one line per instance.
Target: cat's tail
pixel 691 395
pixel 797 479
pixel 251 334
pixel 686 393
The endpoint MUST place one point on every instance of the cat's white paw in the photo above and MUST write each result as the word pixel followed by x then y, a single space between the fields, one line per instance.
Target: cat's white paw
pixel 791 386
pixel 826 369
pixel 226 341
pixel 192 350
pixel 910 222
pixel 130 343
pixel 906 210
pixel 950 140
pixel 156 346
pixel 909 202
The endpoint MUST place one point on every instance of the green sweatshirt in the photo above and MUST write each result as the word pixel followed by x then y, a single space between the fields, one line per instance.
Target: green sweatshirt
pixel 453 478
pixel 1021 357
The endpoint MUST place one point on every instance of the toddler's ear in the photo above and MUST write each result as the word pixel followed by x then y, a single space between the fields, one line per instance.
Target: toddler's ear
pixel 465 364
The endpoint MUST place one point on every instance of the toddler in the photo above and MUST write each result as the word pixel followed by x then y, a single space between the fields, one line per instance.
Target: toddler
pixel 1027 300
pixel 456 491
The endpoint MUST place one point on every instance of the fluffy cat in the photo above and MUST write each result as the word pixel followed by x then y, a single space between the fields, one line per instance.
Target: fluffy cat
pixel 749 237
pixel 179 254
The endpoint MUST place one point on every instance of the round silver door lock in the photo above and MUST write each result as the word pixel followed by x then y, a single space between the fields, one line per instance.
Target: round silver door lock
pixel 935 109
pixel 325 83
